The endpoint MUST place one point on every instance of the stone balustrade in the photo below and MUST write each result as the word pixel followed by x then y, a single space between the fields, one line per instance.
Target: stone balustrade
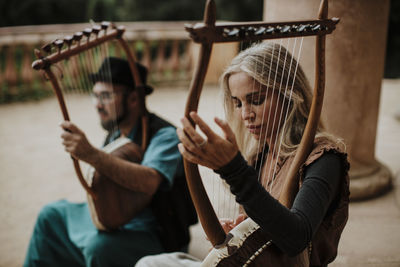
pixel 164 47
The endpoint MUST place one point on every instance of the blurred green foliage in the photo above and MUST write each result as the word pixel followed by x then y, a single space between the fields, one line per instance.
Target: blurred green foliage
pixel 392 64
pixel 36 12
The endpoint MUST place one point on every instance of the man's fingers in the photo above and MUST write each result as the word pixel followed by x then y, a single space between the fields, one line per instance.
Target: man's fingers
pixel 67 142
pixel 70 127
pixel 66 135
pixel 70 136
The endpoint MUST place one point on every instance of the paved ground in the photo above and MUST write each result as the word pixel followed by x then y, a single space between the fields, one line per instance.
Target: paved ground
pixel 35 170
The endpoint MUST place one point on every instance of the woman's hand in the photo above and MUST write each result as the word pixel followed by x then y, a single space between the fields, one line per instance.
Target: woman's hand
pixel 228 224
pixel 213 152
pixel 75 142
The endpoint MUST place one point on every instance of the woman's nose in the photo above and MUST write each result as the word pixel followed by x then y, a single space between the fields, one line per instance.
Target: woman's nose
pixel 248 114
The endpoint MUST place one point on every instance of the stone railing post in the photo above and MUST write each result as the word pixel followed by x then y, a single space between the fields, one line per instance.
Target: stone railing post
pixel 355 64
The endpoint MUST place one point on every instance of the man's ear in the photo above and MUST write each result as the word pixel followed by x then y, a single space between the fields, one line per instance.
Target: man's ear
pixel 133 98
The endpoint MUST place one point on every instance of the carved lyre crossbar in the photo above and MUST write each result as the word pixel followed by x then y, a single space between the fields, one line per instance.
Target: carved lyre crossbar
pixel 210 32
pixel 69 46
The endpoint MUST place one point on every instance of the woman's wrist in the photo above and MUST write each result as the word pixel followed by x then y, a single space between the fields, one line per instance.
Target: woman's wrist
pixel 232 167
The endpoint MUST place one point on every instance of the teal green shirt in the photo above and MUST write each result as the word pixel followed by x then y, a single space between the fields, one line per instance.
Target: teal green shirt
pixel 162 154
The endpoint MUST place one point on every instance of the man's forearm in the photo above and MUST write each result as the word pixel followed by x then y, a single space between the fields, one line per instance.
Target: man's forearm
pixel 130 175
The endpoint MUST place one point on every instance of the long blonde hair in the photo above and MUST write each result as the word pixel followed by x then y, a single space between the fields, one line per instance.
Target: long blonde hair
pixel 260 62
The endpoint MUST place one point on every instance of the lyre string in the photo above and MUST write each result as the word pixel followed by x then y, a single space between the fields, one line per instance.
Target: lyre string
pixel 260 141
pixel 105 52
pixel 280 133
pixel 278 88
pixel 86 70
pixel 263 119
pixel 284 90
pixel 269 111
pixel 272 172
pixel 78 68
pixel 291 88
pixel 69 85
pixel 84 73
pixel 227 196
pixel 276 124
pixel 288 102
pixel 86 66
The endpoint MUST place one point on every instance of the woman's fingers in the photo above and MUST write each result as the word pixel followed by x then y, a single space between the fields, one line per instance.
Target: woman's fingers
pixel 202 125
pixel 227 224
pixel 191 133
pixel 185 140
pixel 213 152
pixel 193 158
pixel 229 135
pixel 197 158
pixel 240 218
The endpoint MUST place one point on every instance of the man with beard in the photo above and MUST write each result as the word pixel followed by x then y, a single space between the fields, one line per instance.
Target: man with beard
pixel 64 234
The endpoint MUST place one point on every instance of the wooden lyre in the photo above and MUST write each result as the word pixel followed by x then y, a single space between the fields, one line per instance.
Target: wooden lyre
pixel 208 33
pixel 64 49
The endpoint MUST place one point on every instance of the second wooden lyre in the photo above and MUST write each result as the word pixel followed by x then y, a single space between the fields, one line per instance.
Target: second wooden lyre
pixel 244 246
pixel 111 205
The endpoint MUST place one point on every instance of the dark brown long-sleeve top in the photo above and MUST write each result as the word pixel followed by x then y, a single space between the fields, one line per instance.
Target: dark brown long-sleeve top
pixel 290 229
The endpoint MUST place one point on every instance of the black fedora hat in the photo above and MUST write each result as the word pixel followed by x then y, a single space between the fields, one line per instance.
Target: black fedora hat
pixel 117 71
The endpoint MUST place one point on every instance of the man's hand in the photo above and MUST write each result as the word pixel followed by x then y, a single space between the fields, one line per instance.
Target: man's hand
pixel 76 143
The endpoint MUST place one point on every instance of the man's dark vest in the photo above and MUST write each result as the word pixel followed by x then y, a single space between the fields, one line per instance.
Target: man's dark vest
pixel 173 208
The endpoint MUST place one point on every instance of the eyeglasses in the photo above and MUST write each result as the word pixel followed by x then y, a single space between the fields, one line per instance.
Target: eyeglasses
pixel 104 97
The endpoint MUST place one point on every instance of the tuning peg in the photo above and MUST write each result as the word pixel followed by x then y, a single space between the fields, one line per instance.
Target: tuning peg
pixel 59 44
pixel 105 25
pixel 68 40
pixel 233 32
pixel 120 30
pixel 47 48
pixel 77 37
pixel 294 28
pixel 260 31
pixel 96 29
pixel 303 27
pixel 271 30
pixel 316 28
pixel 87 32
pixel 285 29
pixel 249 30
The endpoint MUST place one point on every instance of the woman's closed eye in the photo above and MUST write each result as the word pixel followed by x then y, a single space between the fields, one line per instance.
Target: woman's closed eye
pixel 258 100
pixel 255 98
pixel 236 102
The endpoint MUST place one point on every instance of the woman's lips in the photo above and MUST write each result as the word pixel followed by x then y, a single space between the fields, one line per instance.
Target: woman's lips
pixel 253 128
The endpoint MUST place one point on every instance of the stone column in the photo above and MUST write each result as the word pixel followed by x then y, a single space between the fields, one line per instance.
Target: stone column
pixel 221 56
pixel 354 65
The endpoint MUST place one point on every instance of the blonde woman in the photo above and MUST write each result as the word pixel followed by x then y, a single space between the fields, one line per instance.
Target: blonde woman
pixel 266 114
